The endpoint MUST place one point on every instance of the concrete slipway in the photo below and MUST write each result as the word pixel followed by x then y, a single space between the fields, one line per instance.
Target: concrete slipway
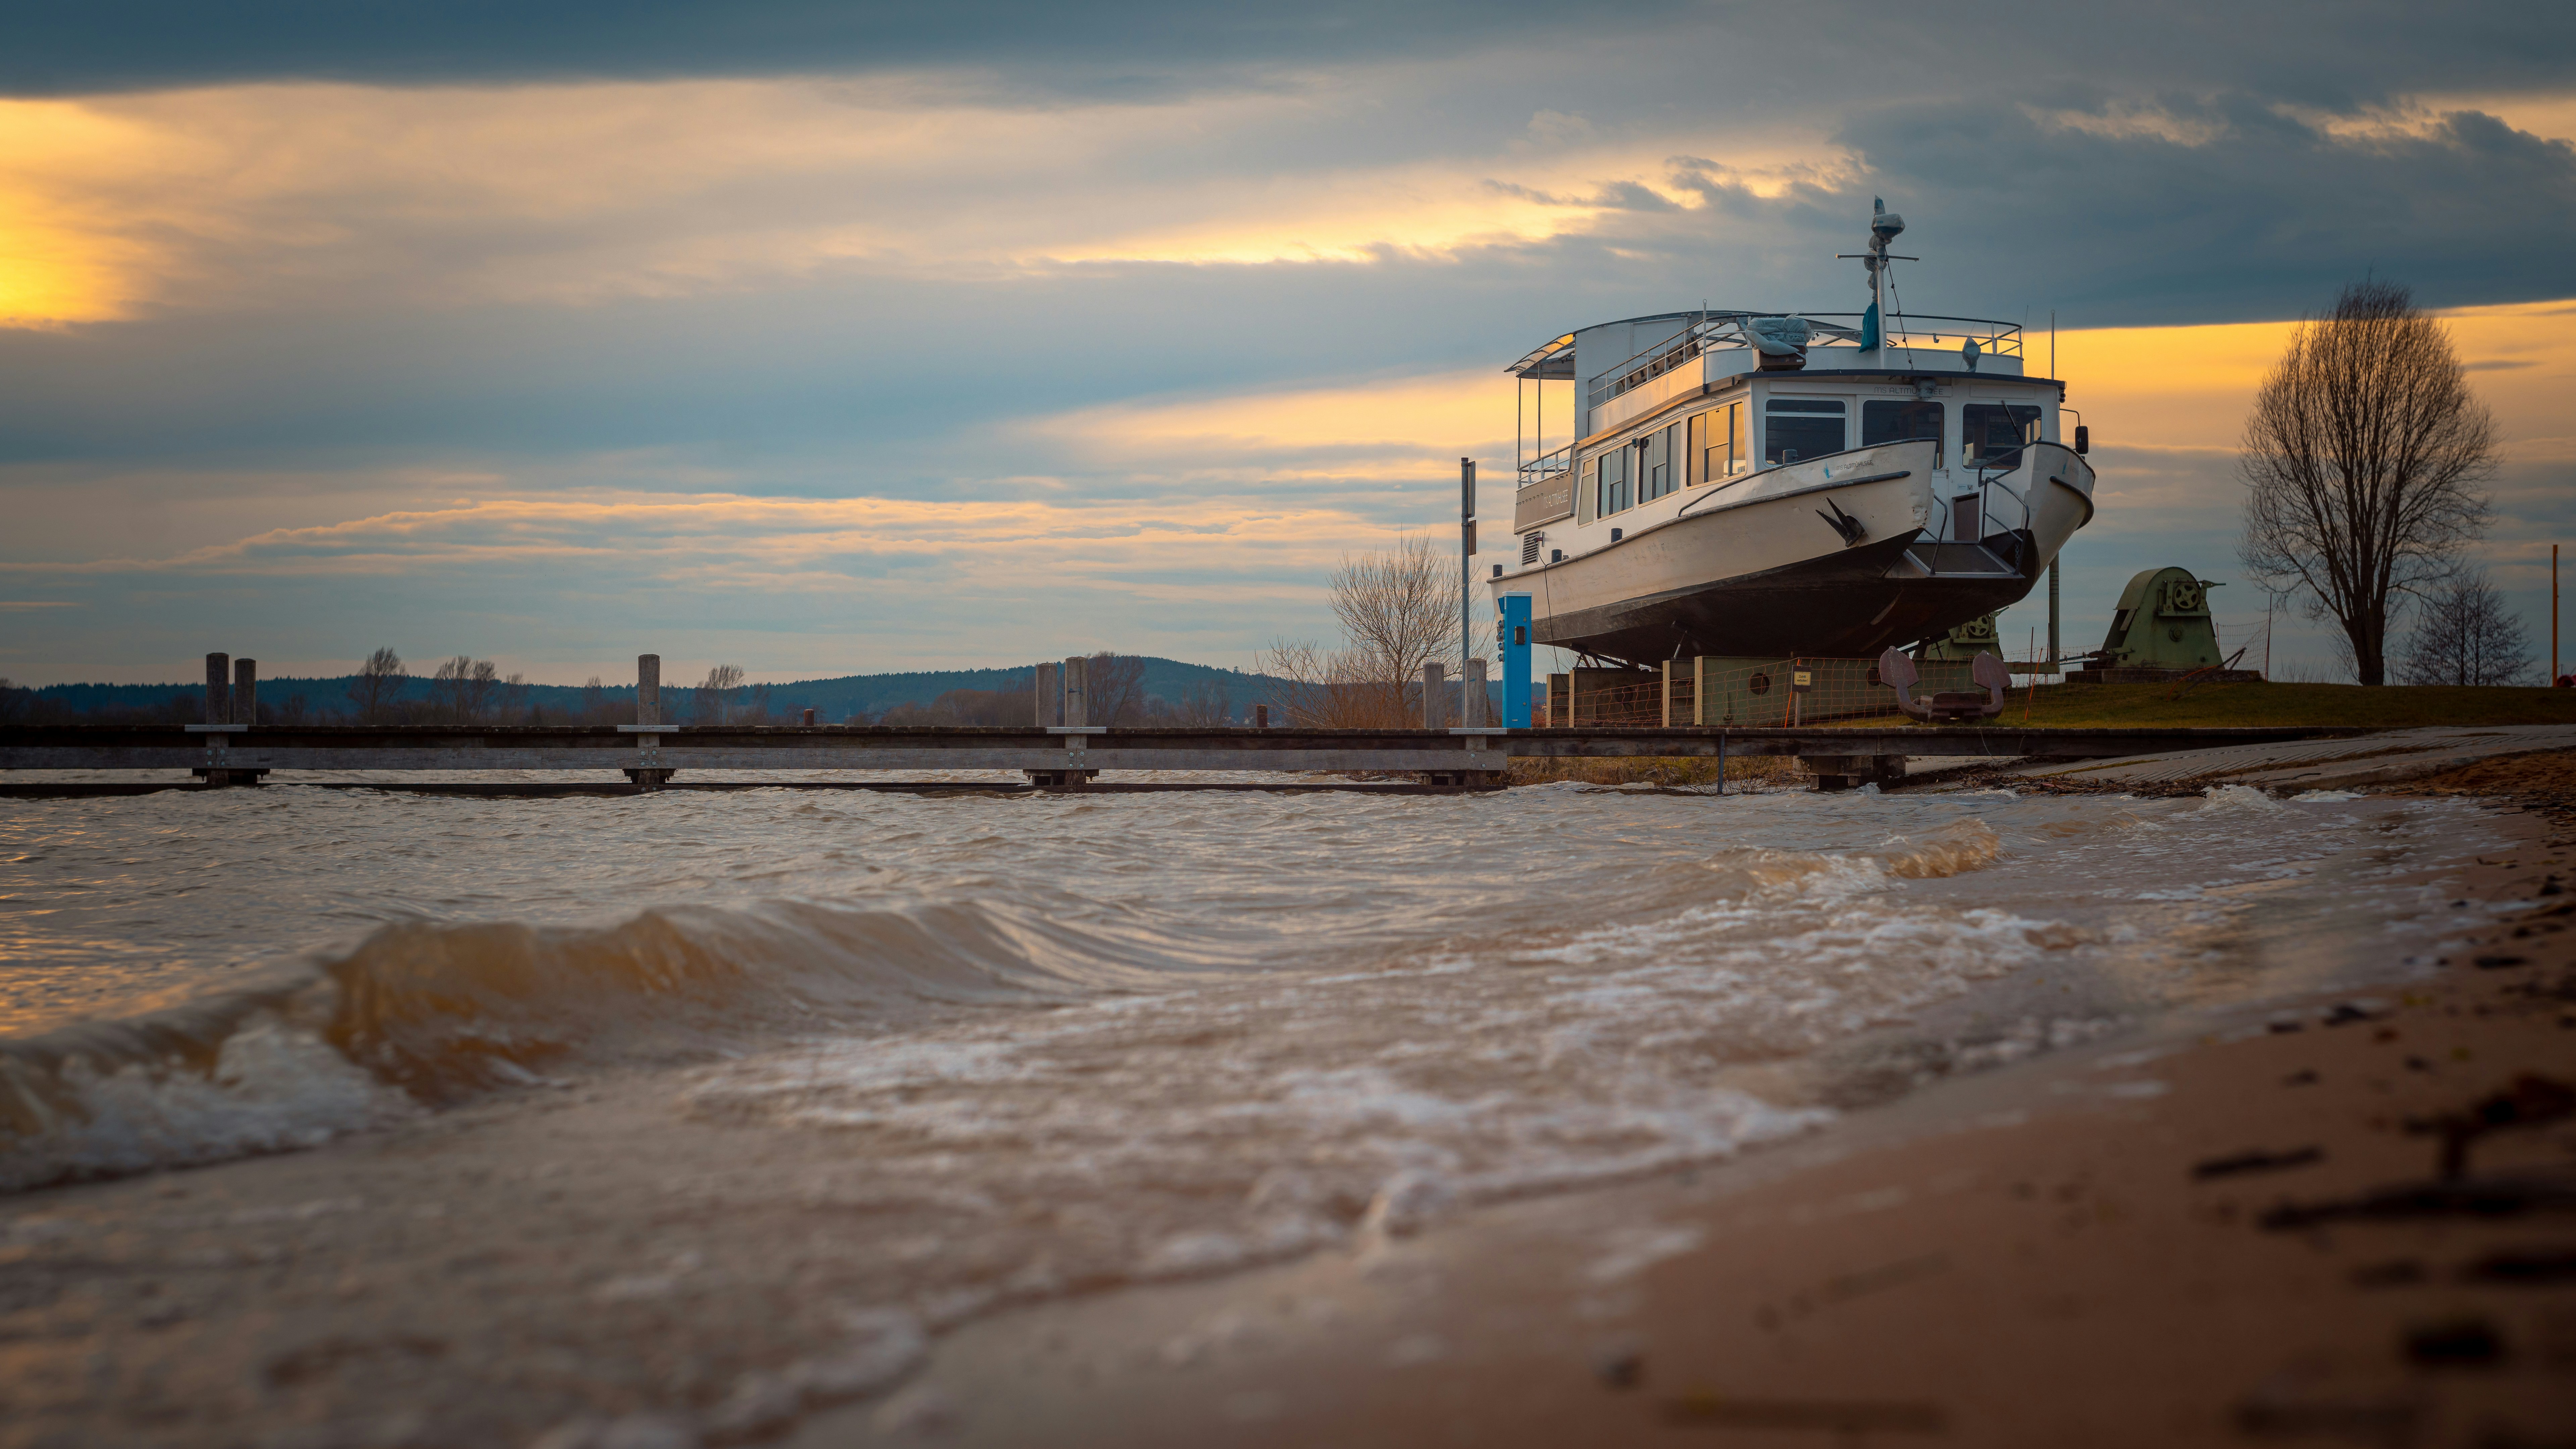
pixel 2349 763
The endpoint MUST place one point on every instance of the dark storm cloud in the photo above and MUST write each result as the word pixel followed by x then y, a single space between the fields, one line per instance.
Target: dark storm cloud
pixel 2246 213
pixel 1084 48
pixel 2324 52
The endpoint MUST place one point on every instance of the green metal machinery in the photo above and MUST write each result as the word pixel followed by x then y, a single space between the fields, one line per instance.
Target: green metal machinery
pixel 1964 643
pixel 2161 629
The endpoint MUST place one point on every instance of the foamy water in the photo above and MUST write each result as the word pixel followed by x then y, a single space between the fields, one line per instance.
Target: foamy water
pixel 1205 1029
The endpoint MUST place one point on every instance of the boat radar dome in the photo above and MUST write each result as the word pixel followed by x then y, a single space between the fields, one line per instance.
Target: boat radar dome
pixel 1884 225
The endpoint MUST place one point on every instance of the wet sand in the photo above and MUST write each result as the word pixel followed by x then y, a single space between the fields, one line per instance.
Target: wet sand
pixel 2072 1250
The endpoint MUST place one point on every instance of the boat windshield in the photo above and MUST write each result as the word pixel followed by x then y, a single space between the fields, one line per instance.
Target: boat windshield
pixel 1993 434
pixel 1894 421
pixel 1799 427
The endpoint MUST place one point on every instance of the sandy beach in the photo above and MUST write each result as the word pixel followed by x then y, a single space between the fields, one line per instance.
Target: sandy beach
pixel 2229 1222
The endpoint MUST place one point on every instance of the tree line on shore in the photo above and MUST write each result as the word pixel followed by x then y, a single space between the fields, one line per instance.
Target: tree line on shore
pixel 463 690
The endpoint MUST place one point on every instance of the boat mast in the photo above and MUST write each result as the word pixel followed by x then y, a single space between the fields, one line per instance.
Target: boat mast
pixel 1884 227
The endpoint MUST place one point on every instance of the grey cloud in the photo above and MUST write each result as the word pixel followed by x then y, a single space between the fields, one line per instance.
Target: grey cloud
pixel 2262 221
pixel 1129 49
pixel 2330 53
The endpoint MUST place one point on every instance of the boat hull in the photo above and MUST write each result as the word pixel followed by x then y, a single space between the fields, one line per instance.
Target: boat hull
pixel 1770 576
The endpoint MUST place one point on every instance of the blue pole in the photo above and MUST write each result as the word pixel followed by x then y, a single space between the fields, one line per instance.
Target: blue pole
pixel 1514 635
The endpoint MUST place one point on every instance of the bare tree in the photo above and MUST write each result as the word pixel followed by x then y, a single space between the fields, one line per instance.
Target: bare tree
pixel 2463 635
pixel 464 690
pixel 482 693
pixel 379 683
pixel 712 708
pixel 2361 460
pixel 1204 702
pixel 1117 687
pixel 1331 689
pixel 1399 606
pixel 1398 609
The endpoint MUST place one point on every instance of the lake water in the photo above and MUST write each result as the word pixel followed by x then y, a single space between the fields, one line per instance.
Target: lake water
pixel 1225 1025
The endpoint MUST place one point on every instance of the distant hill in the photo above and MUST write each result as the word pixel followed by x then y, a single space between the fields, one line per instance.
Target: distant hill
pixel 832 700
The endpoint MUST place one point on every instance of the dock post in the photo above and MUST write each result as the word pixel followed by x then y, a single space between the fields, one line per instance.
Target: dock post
pixel 1721 762
pixel 1433 715
pixel 246 691
pixel 1475 708
pixel 648 714
pixel 809 716
pixel 1261 716
pixel 1048 695
pixel 219 711
pixel 1073 710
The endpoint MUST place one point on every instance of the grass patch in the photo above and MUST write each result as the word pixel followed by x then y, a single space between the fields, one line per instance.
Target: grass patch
pixel 2388 707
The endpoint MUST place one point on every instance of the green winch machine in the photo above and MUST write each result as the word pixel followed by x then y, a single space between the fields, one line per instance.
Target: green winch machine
pixel 2162 630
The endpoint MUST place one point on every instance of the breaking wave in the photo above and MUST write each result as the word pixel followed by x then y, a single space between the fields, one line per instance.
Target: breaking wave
pixel 1763 873
pixel 425 1014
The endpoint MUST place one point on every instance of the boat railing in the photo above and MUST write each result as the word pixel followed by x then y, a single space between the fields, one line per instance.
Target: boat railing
pixel 1990 481
pixel 1546 466
pixel 1725 331
pixel 1922 333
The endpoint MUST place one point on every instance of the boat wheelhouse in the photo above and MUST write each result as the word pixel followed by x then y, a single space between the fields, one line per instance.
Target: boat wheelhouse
pixel 1761 484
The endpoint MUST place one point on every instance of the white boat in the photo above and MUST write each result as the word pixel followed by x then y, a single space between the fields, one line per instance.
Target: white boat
pixel 1759 484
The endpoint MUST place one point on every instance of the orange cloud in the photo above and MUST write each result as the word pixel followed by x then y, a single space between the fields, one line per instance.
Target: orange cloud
pixel 571 193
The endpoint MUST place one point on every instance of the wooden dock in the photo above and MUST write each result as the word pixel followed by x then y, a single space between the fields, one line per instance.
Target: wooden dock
pixel 649 757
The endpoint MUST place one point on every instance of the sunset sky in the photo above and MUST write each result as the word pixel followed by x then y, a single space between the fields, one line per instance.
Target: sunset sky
pixel 838 338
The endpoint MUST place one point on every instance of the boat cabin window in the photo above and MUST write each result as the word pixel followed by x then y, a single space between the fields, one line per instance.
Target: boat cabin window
pixel 1716 445
pixel 1896 421
pixel 1801 427
pixel 1657 470
pixel 1996 432
pixel 1614 488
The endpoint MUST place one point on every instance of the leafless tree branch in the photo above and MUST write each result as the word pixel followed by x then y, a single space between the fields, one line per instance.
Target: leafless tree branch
pixel 2362 460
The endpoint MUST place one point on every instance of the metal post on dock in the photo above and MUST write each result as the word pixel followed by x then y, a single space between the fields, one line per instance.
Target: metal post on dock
pixel 246 691
pixel 1512 624
pixel 1475 709
pixel 1466 560
pixel 219 717
pixel 809 717
pixel 1433 715
pixel 647 772
pixel 1048 695
pixel 1077 683
pixel 2053 655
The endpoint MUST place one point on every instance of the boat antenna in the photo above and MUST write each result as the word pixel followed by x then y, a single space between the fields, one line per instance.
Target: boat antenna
pixel 1884 227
